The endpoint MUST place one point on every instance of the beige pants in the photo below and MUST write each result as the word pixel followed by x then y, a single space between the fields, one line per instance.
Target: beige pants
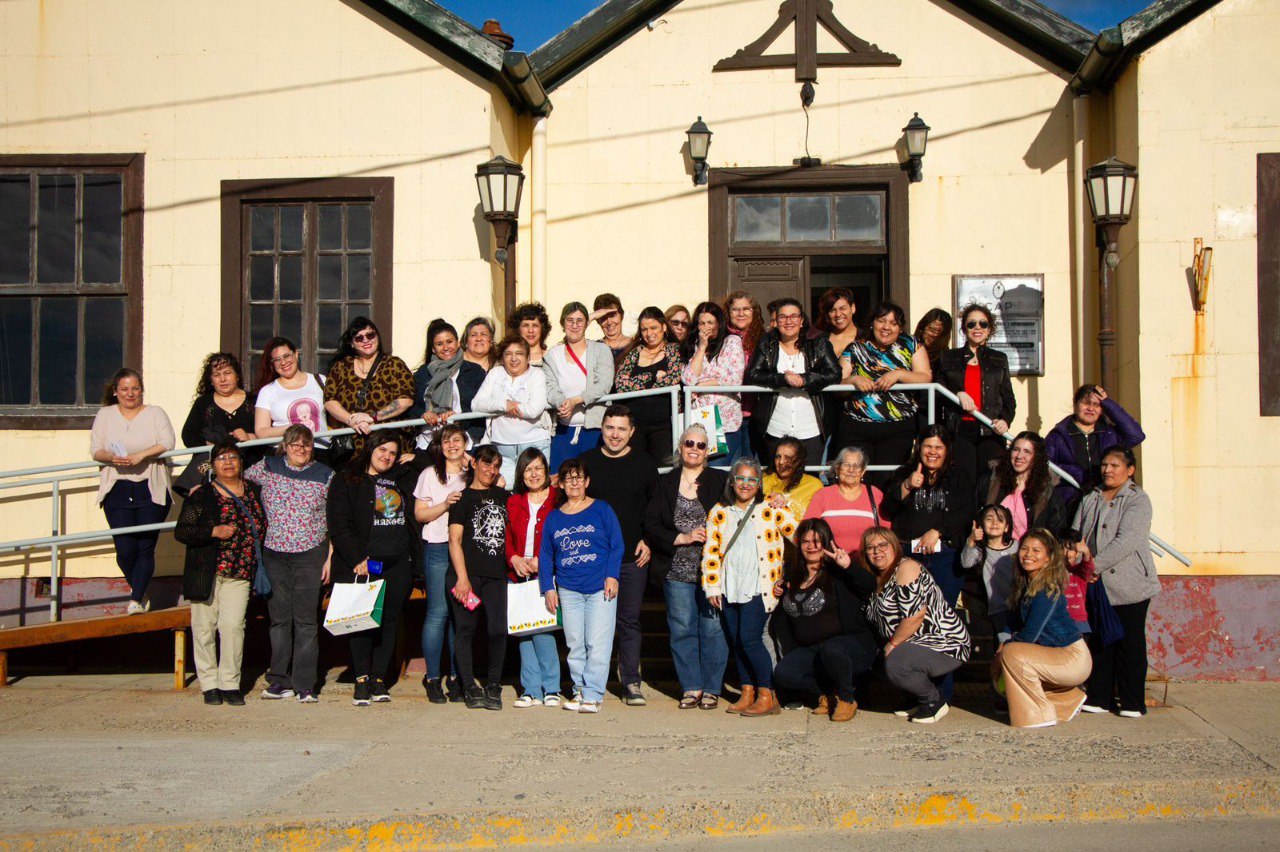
pixel 222 614
pixel 1043 684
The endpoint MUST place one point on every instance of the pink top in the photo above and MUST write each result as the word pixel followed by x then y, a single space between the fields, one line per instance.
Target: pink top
pixel 848 521
pixel 1077 585
pixel 727 368
pixel 1018 508
pixel 434 492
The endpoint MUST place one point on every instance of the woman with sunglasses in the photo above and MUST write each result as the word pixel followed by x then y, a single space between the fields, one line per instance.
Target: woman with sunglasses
pixel 979 375
pixel 578 372
pixel 675 526
pixel 652 361
pixel 741 563
pixel 288 396
pixel 678 322
pixel 365 385
pixel 798 367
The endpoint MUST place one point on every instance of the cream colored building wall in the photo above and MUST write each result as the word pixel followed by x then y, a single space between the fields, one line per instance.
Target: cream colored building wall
pixel 1206 107
pixel 233 90
pixel 995 197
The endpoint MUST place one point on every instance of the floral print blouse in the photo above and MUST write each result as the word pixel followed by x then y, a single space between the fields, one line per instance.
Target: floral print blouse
pixel 630 378
pixel 237 557
pixel 727 368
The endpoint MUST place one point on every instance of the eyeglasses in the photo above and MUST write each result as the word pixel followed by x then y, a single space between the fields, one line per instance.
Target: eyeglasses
pixel 225 458
pixel 746 480
pixel 972 324
pixel 575 321
pixel 789 317
pixel 695 445
pixel 678 323
pixel 573 479
pixel 365 336
pixel 850 466
pixel 285 359
pixel 298 445
pixel 748 309
pixel 876 548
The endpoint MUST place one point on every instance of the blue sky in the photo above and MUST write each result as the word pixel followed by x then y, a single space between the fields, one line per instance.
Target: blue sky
pixel 532 22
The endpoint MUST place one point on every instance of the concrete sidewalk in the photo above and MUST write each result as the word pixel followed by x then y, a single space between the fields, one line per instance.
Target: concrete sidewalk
pixel 121 760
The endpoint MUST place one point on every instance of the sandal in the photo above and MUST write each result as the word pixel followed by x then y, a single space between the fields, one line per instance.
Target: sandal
pixel 690 700
pixel 708 701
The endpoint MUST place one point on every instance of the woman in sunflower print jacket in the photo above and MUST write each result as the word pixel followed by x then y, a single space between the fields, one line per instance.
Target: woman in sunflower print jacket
pixel 739 571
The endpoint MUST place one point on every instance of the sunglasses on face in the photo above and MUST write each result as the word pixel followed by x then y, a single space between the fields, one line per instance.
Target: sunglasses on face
pixel 679 323
pixel 695 445
pixel 972 324
pixel 365 336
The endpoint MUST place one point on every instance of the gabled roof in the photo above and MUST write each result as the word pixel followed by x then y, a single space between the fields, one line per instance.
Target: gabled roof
pixel 1116 46
pixel 469 47
pixel 1039 29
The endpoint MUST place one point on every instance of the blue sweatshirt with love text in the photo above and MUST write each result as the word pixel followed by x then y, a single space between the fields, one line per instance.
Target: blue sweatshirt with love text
pixel 580 551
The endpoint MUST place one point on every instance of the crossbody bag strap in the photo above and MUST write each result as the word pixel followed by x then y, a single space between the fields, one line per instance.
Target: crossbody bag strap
pixel 253 525
pixel 875 513
pixel 742 525
pixel 576 359
pixel 362 395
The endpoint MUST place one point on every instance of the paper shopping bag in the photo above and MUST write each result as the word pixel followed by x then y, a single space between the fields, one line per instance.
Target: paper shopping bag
pixel 354 607
pixel 709 417
pixel 527 610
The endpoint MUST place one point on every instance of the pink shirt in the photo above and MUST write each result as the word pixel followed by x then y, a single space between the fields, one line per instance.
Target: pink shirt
pixel 434 492
pixel 1018 508
pixel 727 368
pixel 848 521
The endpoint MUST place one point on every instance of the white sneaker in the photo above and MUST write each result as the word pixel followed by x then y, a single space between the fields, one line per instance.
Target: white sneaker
pixel 527 701
pixel 1048 724
pixel 553 700
pixel 573 705
pixel 1130 714
pixel 589 707
pixel 927 714
pixel 146 604
pixel 1092 708
pixel 134 608
pixel 1076 712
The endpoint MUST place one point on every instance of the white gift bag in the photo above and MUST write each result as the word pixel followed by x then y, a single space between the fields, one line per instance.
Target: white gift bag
pixel 354 607
pixel 709 417
pixel 527 610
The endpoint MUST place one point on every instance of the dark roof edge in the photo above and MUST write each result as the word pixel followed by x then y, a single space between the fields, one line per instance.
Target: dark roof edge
pixel 1116 47
pixel 1043 31
pixel 465 44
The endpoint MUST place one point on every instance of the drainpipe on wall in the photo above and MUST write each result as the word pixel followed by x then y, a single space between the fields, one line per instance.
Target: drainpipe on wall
pixel 1080 122
pixel 538 203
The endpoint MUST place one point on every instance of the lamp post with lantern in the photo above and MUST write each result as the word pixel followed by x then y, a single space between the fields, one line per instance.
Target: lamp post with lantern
pixel 500 182
pixel 1111 185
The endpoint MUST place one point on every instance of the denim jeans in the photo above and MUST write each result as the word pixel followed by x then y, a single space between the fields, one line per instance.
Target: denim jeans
pixel 128 504
pixel 563 448
pixel 437 627
pixel 744 625
pixel 511 452
pixel 834 665
pixel 588 630
pixel 539 665
pixel 698 647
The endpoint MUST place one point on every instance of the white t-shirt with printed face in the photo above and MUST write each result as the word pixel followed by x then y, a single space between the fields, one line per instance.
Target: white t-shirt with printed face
pixel 304 405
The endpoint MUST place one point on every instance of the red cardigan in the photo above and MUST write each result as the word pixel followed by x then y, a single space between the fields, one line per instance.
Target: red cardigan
pixel 518 525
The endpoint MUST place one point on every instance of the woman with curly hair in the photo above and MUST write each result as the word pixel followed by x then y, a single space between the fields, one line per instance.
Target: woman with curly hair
pixel 741 564
pixel 530 321
pixel 1046 661
pixel 287 395
pixel 222 411
pixel 1020 480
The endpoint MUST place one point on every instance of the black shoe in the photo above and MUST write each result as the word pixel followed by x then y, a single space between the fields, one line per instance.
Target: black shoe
pixel 380 694
pixel 927 714
pixel 212 697
pixel 435 692
pixel 233 697
pixel 456 694
pixel 632 696
pixel 475 698
pixel 361 696
pixel 493 696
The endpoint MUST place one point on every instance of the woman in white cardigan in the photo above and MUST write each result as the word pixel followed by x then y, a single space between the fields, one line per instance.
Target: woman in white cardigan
pixel 578 372
pixel 741 565
pixel 517 393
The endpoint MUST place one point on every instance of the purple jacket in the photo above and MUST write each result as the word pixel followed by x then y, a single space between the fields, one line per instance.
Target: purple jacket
pixel 1115 428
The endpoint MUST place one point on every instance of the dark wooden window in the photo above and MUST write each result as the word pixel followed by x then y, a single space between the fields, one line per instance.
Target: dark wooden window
pixel 70 284
pixel 300 259
pixel 1269 284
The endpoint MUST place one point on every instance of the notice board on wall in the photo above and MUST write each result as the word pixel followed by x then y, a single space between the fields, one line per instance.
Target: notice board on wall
pixel 1017 302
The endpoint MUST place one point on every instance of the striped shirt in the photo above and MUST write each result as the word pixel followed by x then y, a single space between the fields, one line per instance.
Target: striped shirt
pixel 942 630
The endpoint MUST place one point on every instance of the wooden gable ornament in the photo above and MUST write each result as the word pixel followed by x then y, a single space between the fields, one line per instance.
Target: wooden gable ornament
pixel 807 14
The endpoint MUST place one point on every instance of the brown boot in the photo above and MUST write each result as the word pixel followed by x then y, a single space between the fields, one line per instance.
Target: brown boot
pixel 748 698
pixel 824 706
pixel 845 710
pixel 766 704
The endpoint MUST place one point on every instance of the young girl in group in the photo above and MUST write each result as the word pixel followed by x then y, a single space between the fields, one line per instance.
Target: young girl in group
pixel 993 548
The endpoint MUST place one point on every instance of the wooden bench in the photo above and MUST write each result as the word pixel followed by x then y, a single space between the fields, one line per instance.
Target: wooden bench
pixel 177 619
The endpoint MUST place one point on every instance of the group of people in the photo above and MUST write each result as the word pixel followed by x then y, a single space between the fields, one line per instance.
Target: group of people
pixel 805 585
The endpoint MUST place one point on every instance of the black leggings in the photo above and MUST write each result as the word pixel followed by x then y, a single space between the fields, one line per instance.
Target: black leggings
pixel 1120 669
pixel 371 650
pixel 973 452
pixel 492 593
pixel 887 443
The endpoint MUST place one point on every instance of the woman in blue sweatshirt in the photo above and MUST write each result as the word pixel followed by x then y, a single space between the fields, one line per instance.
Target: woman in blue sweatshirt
pixel 1046 660
pixel 579 563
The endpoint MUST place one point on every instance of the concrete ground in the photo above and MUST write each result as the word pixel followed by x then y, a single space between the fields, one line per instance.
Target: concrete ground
pixel 122 760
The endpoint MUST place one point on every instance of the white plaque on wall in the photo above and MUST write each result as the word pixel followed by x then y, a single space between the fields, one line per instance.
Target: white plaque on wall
pixel 1017 301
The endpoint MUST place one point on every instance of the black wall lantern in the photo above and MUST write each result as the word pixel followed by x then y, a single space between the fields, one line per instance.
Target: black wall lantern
pixel 1111 185
pixel 699 143
pixel 916 134
pixel 500 182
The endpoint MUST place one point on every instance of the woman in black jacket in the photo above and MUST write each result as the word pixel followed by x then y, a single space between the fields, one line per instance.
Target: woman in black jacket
pixel 374 534
pixel 1021 481
pixel 222 411
pixel 799 367
pixel 675 525
pixel 824 597
pixel 979 375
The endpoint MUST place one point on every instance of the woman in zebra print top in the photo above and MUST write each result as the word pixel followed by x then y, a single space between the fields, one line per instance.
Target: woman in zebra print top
pixel 924 638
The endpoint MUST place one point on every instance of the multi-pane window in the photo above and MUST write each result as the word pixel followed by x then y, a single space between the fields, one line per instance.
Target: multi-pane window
pixel 70 248
pixel 307 266
pixel 842 217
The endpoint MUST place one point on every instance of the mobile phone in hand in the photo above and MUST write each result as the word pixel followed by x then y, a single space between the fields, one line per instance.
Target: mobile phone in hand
pixel 471 601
